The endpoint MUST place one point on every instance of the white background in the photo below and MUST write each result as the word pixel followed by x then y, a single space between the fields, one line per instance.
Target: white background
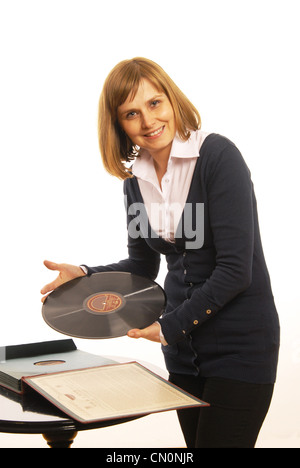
pixel 237 61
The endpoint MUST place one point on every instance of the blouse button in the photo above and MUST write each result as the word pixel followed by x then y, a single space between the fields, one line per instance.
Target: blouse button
pixel 208 312
pixel 196 322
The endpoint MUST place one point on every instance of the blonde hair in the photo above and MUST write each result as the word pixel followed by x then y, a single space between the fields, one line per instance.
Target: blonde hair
pixel 115 147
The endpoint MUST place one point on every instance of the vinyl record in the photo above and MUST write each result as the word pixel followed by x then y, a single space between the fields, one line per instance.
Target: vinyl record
pixel 104 305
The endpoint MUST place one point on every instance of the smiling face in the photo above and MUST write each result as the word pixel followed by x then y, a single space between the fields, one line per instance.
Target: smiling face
pixel 148 120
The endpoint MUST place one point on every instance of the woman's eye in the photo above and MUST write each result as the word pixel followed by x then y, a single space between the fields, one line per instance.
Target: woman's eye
pixel 131 115
pixel 155 103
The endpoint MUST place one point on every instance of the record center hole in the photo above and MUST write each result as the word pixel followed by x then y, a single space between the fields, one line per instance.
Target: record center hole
pixel 48 363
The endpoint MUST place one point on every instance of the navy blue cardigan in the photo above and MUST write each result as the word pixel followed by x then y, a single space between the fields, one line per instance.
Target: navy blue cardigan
pixel 220 319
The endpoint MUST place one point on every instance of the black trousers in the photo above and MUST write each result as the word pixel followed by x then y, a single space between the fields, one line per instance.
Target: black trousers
pixel 235 416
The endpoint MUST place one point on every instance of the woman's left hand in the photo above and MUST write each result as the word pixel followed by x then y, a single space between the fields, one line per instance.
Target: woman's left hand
pixel 151 333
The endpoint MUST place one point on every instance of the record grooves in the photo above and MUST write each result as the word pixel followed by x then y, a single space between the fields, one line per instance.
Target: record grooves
pixel 104 305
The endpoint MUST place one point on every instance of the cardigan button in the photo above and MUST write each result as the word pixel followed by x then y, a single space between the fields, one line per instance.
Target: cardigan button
pixel 208 312
pixel 196 322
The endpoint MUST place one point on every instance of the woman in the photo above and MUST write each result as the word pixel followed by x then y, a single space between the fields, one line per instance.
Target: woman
pixel 220 330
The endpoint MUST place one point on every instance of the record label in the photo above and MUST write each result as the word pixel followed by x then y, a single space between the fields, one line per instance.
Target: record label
pixel 49 363
pixel 104 303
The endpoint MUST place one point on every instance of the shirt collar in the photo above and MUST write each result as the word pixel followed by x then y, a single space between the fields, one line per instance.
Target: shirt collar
pixel 143 166
pixel 185 149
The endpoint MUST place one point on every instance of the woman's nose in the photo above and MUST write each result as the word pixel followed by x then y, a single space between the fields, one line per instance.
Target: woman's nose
pixel 148 120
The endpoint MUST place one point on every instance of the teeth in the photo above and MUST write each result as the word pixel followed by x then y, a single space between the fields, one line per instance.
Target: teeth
pixel 155 133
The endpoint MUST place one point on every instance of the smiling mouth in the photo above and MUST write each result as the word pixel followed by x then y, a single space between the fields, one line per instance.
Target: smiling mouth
pixel 155 133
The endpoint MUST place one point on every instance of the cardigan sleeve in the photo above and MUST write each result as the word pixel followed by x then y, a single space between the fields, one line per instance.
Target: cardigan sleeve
pixel 229 201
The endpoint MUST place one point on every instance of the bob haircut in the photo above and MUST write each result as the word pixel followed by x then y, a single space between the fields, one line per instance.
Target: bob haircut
pixel 123 81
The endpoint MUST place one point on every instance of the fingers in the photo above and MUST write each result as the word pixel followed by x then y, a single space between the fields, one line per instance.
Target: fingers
pixel 135 333
pixel 51 286
pixel 150 333
pixel 44 298
pixel 51 265
pixel 54 284
pixel 66 273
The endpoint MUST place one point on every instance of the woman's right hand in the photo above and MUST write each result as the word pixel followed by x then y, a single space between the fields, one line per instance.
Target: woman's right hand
pixel 66 273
